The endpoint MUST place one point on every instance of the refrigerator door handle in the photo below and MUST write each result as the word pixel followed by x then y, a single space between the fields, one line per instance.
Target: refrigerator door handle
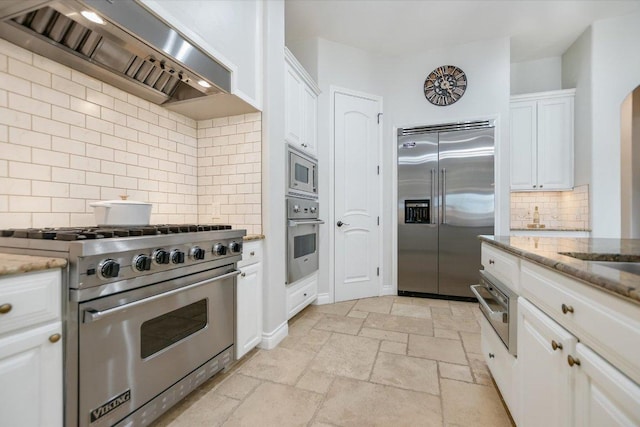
pixel 433 186
pixel 444 196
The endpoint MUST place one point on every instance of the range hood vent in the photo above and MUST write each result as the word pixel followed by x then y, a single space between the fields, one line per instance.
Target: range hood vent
pixel 130 49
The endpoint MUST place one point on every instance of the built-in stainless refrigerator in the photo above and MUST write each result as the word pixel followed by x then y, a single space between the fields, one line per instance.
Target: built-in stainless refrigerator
pixel 445 200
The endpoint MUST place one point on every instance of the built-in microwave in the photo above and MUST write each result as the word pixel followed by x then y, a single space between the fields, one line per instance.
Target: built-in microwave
pixel 302 175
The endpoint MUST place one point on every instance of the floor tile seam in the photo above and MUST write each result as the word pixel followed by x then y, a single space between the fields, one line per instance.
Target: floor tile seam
pixel 250 391
pixel 406 388
pixel 224 421
pixel 375 361
pixel 321 403
pixel 386 330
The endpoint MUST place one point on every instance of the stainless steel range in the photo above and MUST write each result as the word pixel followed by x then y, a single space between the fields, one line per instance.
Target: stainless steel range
pixel 149 314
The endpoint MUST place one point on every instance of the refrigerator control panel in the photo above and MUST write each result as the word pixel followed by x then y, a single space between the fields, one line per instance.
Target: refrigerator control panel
pixel 417 211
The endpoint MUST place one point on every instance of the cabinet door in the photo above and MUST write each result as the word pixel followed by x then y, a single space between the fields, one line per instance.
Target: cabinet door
pixel 523 136
pixel 249 309
pixel 309 127
pixel 293 115
pixel 604 396
pixel 555 143
pixel 31 378
pixel 545 379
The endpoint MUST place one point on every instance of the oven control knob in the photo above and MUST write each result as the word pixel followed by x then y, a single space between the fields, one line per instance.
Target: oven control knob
pixel 235 247
pixel 142 263
pixel 197 253
pixel 313 209
pixel 219 249
pixel 177 257
pixel 161 257
pixel 296 208
pixel 109 269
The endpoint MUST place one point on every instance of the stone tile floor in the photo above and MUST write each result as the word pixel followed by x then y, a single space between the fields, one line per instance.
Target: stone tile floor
pixel 385 361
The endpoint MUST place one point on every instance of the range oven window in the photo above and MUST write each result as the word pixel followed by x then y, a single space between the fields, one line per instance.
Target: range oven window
pixel 304 245
pixel 301 173
pixel 163 331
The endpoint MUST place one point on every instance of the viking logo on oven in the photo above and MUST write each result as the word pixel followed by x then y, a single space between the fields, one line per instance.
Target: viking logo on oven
pixel 103 410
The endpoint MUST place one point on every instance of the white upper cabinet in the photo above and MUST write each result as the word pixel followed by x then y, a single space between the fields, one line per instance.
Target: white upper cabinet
pixel 229 30
pixel 301 107
pixel 541 135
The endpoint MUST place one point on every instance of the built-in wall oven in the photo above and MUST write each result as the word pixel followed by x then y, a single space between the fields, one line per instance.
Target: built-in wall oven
pixel 498 304
pixel 302 237
pixel 302 174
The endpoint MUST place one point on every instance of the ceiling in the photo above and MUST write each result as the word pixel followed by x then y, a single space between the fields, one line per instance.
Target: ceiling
pixel 538 29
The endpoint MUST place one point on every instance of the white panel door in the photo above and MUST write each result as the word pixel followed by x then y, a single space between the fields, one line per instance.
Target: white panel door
pixel 604 396
pixel 545 380
pixel 357 197
pixel 523 136
pixel 293 106
pixel 555 143
pixel 249 305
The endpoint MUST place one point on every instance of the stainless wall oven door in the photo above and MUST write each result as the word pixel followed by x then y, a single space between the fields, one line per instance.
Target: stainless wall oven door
pixel 498 305
pixel 302 175
pixel 302 248
pixel 133 345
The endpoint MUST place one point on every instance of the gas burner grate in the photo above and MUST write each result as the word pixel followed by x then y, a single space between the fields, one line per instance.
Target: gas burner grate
pixel 91 233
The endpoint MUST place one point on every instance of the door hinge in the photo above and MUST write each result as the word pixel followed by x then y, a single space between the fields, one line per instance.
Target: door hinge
pixel 378 220
pixel 378 169
pixel 379 115
pixel 378 271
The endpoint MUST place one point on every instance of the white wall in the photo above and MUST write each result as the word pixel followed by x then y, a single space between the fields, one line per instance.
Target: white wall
pixel 536 76
pixel 576 73
pixel 630 165
pixel 615 47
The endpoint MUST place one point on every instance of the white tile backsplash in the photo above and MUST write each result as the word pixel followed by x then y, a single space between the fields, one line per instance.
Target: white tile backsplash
pixel 558 209
pixel 67 139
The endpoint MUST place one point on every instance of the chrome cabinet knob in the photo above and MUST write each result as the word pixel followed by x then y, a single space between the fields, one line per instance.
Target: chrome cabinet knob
pixel 491 261
pixel 243 274
pixel 492 356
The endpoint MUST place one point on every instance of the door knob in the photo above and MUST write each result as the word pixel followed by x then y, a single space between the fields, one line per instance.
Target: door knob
pixel 340 223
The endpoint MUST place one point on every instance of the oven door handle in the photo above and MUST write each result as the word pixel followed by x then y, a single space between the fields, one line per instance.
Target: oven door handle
pixel 293 223
pixel 500 316
pixel 90 315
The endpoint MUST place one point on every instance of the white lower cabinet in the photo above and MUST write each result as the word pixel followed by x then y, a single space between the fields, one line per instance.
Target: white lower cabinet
pixel 604 396
pixel 545 379
pixel 249 299
pixel 31 387
pixel 301 293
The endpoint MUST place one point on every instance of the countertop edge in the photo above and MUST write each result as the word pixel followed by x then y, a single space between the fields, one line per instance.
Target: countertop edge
pixel 250 237
pixel 552 229
pixel 594 280
pixel 17 264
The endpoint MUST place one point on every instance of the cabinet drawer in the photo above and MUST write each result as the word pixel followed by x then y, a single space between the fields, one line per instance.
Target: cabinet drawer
pixel 33 298
pixel 607 324
pixel 501 265
pixel 500 363
pixel 251 253
pixel 301 294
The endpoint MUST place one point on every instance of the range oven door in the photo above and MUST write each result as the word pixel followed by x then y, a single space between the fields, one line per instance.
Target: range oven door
pixel 136 344
pixel 497 304
pixel 302 248
pixel 302 175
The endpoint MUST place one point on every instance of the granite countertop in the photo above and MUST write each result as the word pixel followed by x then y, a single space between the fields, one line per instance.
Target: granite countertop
pixel 253 237
pixel 548 251
pixel 15 264
pixel 549 229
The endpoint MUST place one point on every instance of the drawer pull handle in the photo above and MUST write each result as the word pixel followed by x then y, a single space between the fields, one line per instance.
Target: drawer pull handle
pixel 491 355
pixel 5 308
pixel 491 261
pixel 55 338
pixel 252 253
pixel 567 309
pixel 243 274
pixel 556 345
pixel 572 361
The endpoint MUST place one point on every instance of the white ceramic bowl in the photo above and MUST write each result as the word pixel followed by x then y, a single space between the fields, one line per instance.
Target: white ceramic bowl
pixel 122 212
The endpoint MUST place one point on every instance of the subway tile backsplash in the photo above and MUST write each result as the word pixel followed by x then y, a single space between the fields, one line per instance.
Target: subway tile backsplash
pixel 558 209
pixel 67 140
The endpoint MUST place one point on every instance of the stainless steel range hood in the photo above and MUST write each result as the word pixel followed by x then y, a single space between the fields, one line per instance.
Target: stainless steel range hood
pixel 124 45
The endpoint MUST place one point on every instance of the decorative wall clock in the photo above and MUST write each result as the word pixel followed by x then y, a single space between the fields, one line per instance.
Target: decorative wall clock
pixel 445 85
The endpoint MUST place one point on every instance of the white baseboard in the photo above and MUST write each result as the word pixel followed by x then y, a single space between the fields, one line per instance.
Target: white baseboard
pixel 272 339
pixel 323 299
